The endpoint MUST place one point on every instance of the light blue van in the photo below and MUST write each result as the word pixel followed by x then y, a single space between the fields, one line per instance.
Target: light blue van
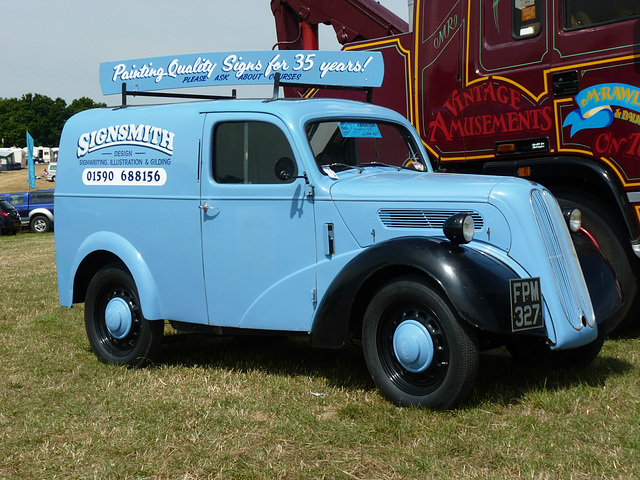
pixel 321 218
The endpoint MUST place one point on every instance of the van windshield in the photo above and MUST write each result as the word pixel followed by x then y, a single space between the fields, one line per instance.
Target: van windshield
pixel 344 144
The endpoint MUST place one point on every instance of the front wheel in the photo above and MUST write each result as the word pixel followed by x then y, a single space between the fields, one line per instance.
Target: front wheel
pixel 116 329
pixel 418 351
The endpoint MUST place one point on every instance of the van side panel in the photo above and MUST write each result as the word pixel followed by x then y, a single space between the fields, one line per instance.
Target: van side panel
pixel 127 175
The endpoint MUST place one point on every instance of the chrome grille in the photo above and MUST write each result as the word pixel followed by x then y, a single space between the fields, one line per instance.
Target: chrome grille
pixel 420 218
pixel 563 262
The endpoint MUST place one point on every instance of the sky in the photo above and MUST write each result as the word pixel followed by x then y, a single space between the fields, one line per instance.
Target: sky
pixel 55 48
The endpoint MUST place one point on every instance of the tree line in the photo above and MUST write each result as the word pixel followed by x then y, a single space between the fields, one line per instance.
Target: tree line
pixel 38 114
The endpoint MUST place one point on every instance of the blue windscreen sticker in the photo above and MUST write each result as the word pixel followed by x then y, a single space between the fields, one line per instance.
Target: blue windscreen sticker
pixel 359 130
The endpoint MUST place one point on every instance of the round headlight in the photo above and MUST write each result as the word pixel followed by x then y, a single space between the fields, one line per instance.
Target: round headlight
pixel 459 228
pixel 573 216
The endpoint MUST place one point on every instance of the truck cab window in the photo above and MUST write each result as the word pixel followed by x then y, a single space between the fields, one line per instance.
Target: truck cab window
pixel 17 199
pixel 527 18
pixel 246 152
pixel 585 13
pixel 41 197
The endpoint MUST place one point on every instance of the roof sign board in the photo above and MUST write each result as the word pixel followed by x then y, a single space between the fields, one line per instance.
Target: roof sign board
pixel 348 69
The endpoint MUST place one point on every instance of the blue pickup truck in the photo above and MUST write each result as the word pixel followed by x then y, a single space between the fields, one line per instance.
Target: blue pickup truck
pixel 35 208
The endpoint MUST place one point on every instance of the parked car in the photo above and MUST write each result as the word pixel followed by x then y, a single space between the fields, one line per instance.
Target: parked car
pixel 35 208
pixel 51 172
pixel 9 219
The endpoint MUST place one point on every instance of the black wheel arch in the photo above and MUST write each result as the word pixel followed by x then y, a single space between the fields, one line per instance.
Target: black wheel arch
pixel 87 269
pixel 476 285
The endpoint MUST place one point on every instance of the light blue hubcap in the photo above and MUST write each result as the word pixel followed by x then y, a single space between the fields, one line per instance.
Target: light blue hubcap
pixel 413 346
pixel 118 318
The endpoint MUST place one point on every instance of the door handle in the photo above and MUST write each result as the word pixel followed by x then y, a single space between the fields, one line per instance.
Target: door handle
pixel 205 207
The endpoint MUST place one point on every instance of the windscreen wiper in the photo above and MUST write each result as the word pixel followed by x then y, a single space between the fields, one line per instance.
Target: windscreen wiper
pixel 344 166
pixel 380 164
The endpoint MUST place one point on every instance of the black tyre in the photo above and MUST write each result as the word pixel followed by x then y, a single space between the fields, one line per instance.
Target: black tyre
pixel 117 331
pixel 40 224
pixel 418 351
pixel 599 222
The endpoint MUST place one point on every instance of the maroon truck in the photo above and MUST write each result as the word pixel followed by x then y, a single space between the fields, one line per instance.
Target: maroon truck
pixel 548 90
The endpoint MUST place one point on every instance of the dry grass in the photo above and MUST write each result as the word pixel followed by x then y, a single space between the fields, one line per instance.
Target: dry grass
pixel 18 180
pixel 218 408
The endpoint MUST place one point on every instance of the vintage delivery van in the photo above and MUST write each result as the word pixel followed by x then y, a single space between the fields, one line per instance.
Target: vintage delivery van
pixel 320 218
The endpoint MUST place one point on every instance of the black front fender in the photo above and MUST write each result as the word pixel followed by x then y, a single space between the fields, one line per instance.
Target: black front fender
pixel 476 285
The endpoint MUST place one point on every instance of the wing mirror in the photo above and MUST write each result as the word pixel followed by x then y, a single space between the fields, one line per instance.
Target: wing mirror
pixel 285 169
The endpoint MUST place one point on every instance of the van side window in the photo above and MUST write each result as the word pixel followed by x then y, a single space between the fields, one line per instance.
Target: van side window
pixel 585 13
pixel 246 152
pixel 527 18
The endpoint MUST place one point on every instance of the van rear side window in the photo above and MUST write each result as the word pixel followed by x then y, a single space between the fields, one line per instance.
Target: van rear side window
pixel 246 152
pixel 586 13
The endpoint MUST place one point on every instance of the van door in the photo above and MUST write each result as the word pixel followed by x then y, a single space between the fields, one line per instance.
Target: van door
pixel 596 52
pixel 258 233
pixel 504 104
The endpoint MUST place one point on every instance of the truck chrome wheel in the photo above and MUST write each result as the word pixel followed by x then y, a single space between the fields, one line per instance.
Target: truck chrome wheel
pixel 40 224
pixel 117 331
pixel 417 350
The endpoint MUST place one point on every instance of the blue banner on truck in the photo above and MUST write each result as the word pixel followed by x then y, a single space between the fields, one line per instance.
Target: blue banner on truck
pixel 349 69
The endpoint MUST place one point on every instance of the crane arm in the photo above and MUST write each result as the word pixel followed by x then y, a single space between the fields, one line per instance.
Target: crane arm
pixel 353 20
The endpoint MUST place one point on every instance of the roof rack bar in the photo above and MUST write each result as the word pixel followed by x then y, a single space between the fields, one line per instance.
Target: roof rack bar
pixel 277 84
pixel 134 93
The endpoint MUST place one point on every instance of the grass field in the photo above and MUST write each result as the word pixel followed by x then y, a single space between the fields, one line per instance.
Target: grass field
pixel 18 180
pixel 219 408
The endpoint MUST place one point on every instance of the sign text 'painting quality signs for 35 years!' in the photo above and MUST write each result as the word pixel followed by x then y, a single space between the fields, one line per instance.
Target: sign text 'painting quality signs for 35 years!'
pixel 349 69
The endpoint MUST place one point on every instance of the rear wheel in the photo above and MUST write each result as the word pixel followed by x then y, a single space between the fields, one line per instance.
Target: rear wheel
pixel 599 223
pixel 418 351
pixel 116 329
pixel 40 224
